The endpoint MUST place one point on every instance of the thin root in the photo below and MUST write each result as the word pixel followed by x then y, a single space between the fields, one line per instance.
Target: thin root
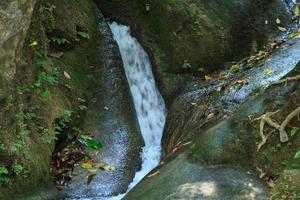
pixel 266 118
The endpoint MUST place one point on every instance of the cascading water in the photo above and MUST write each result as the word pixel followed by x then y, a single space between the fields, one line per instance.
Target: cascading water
pixel 149 104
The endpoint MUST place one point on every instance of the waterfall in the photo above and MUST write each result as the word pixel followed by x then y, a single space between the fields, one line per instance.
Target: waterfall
pixel 149 104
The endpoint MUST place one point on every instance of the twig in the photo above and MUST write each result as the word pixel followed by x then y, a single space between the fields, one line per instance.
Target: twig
pixel 266 118
pixel 286 80
pixel 283 133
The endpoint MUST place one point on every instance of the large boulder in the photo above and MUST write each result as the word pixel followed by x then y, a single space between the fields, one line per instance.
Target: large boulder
pixel 40 42
pixel 207 144
pixel 201 105
pixel 111 117
pixel 187 37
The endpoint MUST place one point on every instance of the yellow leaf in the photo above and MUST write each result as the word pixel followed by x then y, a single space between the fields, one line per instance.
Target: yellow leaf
pixel 219 89
pixel 87 165
pixel 208 78
pixel 278 21
pixel 34 43
pixel 154 174
pixel 268 71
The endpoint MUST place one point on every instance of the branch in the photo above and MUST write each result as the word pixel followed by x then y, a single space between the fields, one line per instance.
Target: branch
pixel 283 133
pixel 286 80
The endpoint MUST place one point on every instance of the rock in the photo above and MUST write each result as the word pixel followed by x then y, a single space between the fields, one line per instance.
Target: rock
pixel 203 34
pixel 288 185
pixel 189 113
pixel 111 117
pixel 182 179
pixel 228 142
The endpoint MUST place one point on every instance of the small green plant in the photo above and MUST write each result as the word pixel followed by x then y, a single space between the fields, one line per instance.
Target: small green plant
pixel 235 68
pixel 45 95
pixel 48 18
pixel 186 65
pixel 5 182
pixel 59 41
pixel 44 77
pixel 297 155
pixel 83 34
pixel 3 171
pixel 18 169
pixel 90 142
pixel 1 146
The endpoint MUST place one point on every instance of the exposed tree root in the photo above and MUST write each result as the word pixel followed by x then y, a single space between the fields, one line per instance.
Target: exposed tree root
pixel 286 80
pixel 266 118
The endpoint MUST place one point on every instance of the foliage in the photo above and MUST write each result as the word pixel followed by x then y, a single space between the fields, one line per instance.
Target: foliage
pixel 84 35
pixel 48 18
pixel 59 40
pixel 235 68
pixel 3 170
pixel 90 142
pixel 186 65
pixel 18 169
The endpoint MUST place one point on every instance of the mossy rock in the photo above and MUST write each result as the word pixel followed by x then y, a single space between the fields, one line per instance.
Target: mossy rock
pixel 204 33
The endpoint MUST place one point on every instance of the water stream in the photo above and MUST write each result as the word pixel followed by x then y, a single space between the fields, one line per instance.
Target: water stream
pixel 149 104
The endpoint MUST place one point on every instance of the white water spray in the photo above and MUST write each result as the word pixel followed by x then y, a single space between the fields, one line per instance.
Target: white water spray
pixel 149 104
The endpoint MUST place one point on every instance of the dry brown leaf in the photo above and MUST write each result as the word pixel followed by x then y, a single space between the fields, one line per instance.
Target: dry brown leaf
pixel 90 177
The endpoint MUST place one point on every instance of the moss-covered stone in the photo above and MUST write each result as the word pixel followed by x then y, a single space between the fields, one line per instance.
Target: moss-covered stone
pixel 203 33
pixel 80 60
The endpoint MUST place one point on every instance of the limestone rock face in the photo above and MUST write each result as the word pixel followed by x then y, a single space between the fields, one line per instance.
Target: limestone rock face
pixel 15 18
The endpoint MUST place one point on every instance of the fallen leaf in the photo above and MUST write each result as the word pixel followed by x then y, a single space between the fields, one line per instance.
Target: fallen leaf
pixel 67 75
pixel 282 29
pixel 106 108
pixel 210 116
pixel 34 43
pixel 154 174
pixel 90 178
pixel 100 165
pixel 175 149
pixel 60 187
pixel 208 78
pixel 109 168
pixel 93 170
pixel 219 89
pixel 56 55
pixel 278 21
pixel 187 143
pixel 87 165
pixel 268 71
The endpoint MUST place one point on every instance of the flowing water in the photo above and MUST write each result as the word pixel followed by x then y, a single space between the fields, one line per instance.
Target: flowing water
pixel 149 104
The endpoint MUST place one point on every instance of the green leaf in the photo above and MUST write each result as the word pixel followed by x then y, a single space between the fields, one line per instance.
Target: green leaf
pixel 297 155
pixel 3 170
pixel 90 142
pixel 268 71
pixel 294 131
pixel 84 35
pixel 235 68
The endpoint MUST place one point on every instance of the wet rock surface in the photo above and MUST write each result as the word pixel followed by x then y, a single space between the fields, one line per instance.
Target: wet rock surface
pixel 111 118
pixel 201 33
pixel 226 139
pixel 183 179
pixel 201 105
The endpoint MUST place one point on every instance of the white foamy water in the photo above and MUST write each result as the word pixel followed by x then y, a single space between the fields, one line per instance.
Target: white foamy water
pixel 149 104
